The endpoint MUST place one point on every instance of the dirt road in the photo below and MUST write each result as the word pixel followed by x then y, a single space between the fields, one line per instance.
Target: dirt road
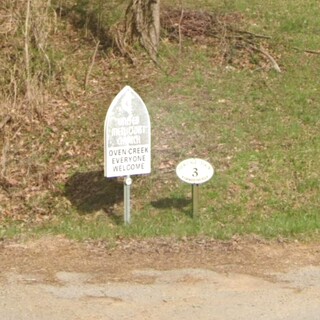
pixel 54 278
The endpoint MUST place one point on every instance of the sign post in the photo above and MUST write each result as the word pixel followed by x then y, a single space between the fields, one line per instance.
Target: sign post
pixel 195 172
pixel 195 200
pixel 127 214
pixel 127 141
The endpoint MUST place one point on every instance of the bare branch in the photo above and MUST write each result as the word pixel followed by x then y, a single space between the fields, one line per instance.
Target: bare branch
pixel 6 120
pixel 271 59
pixel 91 66
pixel 308 51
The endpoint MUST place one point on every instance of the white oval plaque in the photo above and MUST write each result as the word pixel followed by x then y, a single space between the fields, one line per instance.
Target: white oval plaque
pixel 194 171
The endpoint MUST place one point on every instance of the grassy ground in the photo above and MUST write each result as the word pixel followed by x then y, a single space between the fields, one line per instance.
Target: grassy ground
pixel 258 128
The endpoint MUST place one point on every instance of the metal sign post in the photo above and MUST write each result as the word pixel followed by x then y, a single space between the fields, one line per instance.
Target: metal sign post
pixel 195 200
pixel 127 186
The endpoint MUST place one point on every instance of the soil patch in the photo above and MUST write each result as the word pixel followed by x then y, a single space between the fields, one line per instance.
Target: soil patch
pixel 116 260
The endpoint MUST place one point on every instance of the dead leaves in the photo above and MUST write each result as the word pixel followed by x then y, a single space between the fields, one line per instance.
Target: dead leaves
pixel 221 35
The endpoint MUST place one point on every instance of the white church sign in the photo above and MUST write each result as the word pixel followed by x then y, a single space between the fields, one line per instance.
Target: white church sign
pixel 127 136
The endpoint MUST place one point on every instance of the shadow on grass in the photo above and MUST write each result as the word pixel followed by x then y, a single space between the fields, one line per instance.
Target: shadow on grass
pixel 90 192
pixel 180 204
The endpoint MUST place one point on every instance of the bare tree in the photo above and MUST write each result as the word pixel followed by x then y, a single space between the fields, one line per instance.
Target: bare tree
pixel 142 24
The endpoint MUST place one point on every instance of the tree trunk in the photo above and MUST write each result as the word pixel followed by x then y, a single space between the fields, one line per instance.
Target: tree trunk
pixel 143 24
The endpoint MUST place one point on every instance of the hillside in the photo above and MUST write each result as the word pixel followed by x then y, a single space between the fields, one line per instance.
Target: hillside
pixel 234 84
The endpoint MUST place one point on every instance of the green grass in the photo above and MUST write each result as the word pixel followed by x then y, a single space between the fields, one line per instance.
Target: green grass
pixel 258 128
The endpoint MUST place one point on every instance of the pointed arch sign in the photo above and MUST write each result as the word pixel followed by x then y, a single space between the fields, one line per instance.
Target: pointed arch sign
pixel 127 136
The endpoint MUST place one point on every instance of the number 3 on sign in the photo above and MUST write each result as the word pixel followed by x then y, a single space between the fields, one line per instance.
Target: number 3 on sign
pixel 195 172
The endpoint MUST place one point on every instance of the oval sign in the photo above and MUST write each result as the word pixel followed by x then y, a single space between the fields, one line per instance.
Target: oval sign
pixel 194 171
pixel 127 136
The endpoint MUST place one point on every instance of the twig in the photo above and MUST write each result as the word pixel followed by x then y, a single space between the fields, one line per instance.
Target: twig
pixel 312 51
pixel 308 51
pixel 180 34
pixel 6 120
pixel 4 157
pixel 91 66
pixel 253 34
pixel 272 60
pixel 26 49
